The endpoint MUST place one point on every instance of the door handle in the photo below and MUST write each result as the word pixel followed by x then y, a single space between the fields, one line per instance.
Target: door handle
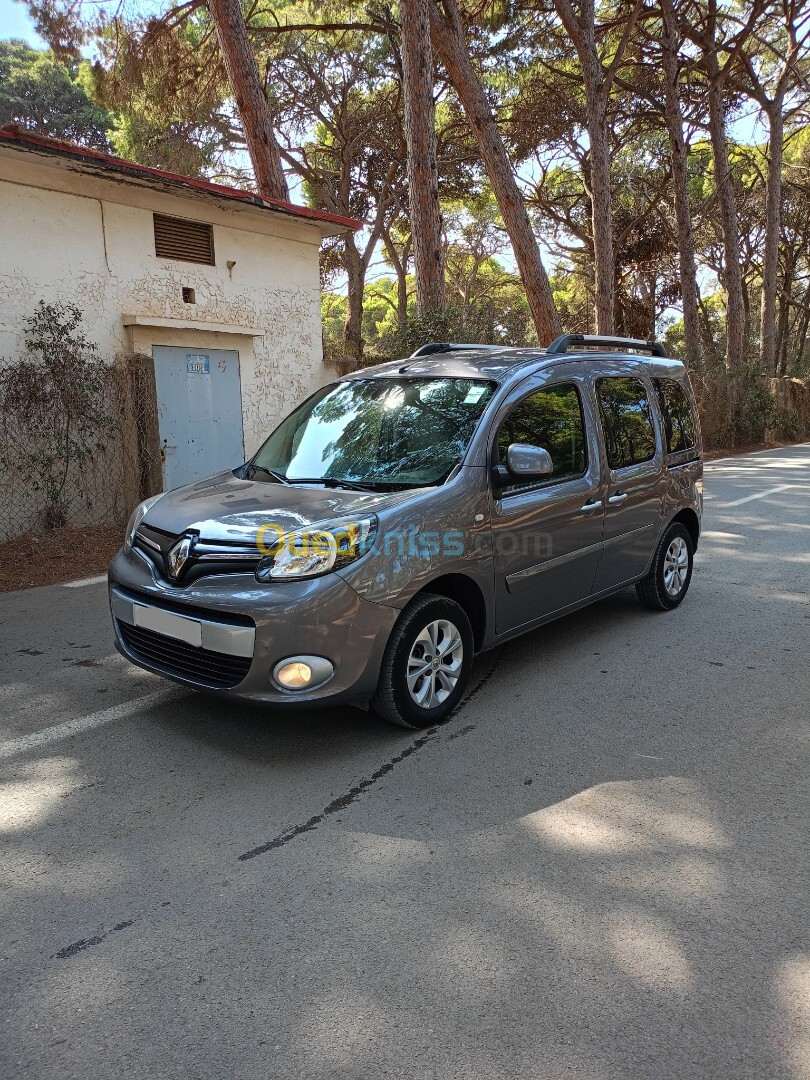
pixel 590 506
pixel 618 498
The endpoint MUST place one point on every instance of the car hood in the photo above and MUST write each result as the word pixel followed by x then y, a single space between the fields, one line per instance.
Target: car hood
pixel 225 507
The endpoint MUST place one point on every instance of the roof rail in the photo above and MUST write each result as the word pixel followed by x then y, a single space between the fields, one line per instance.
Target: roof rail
pixel 592 341
pixel 432 347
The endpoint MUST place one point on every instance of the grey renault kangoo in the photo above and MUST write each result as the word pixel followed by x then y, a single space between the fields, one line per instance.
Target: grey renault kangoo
pixel 410 515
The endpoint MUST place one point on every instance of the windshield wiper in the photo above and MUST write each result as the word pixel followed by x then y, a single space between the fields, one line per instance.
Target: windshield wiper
pixel 330 481
pixel 269 472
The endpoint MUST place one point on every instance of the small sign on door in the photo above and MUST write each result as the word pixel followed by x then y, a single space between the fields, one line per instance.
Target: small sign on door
pixel 198 364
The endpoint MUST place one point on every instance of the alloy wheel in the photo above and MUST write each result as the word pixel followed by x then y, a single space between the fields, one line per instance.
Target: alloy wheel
pixel 676 566
pixel 434 664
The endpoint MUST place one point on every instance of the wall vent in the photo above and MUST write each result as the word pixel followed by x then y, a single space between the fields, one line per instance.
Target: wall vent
pixel 178 238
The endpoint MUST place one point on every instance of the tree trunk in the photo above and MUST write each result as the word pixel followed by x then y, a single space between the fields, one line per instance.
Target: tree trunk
pixel 789 328
pixel 780 346
pixel 618 325
pixel 246 87
pixel 451 47
pixel 353 328
pixel 582 32
pixel 420 135
pixel 709 344
pixel 599 191
pixel 670 44
pixel 773 229
pixel 727 202
pixel 400 265
pixel 402 303
pixel 801 337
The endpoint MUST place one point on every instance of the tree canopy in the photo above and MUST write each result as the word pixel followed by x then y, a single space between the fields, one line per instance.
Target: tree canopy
pixel 51 96
pixel 633 168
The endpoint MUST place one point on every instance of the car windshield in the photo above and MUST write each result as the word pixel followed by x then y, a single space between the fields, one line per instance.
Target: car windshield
pixel 381 433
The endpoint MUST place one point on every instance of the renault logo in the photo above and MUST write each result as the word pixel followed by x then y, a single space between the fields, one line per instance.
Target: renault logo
pixel 178 555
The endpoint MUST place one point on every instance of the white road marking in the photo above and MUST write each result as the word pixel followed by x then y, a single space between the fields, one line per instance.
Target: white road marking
pixel 37 739
pixel 84 581
pixel 758 495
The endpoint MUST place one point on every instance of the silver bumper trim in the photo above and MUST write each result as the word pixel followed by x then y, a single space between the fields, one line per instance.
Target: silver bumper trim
pixel 216 636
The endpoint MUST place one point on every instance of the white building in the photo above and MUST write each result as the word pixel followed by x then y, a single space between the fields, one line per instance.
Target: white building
pixel 219 287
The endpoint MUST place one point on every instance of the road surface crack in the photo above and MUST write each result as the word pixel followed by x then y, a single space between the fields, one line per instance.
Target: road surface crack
pixel 354 793
pixel 85 943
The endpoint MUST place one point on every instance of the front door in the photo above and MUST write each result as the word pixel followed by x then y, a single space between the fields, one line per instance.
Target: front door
pixel 547 536
pixel 199 397
pixel 637 483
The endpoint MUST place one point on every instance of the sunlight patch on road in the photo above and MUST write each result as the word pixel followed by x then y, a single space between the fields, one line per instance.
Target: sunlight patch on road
pixel 789 597
pixel 26 697
pixel 690 880
pixel 375 858
pixel 793 998
pixel 626 815
pixel 716 534
pixel 27 801
pixel 647 950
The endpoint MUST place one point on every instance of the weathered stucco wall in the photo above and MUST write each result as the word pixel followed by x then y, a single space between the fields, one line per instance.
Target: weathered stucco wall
pixel 91 246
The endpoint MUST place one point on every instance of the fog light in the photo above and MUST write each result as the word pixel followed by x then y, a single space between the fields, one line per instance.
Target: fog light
pixel 302 672
pixel 295 675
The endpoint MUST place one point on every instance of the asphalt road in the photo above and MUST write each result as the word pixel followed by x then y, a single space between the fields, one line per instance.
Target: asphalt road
pixel 597 869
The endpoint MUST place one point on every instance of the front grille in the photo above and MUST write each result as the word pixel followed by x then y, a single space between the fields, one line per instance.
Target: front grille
pixel 205 556
pixel 218 670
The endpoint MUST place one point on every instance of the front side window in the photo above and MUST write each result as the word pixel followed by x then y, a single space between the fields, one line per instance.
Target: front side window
pixel 679 418
pixel 551 418
pixel 626 420
pixel 381 433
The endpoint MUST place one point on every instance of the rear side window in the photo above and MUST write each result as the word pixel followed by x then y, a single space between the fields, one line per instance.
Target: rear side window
pixel 627 421
pixel 679 418
pixel 550 418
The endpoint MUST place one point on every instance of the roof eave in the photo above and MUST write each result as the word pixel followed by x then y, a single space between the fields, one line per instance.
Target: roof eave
pixel 100 164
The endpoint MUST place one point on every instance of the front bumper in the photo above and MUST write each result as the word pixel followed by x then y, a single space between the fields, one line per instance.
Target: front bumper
pixel 254 625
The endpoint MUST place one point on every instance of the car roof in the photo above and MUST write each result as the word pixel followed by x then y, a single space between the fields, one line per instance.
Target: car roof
pixel 504 365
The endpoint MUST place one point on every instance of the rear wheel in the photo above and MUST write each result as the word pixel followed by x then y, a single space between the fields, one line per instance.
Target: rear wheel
pixel 426 665
pixel 666 584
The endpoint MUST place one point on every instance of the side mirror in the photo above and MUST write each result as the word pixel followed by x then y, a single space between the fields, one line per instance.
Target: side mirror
pixel 523 462
pixel 527 462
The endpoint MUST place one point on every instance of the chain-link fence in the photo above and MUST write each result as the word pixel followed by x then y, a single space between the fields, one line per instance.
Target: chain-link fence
pixel 76 456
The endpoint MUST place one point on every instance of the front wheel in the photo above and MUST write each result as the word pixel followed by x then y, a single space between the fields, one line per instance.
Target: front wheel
pixel 665 585
pixel 426 665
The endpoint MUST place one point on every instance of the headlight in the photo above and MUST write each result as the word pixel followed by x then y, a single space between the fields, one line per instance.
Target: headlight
pixel 137 517
pixel 317 549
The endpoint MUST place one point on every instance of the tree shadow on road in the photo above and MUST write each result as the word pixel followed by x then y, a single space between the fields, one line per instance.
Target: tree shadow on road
pixel 597 868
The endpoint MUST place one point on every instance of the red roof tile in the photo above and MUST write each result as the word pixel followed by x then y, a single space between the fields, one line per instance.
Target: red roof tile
pixel 13 133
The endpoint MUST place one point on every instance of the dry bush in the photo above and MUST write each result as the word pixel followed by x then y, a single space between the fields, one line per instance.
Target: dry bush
pixel 73 430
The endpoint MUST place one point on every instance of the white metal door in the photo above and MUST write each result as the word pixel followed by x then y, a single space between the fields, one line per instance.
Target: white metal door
pixel 199 396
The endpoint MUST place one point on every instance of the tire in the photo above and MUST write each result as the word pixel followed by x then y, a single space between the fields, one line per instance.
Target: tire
pixel 428 625
pixel 667 583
